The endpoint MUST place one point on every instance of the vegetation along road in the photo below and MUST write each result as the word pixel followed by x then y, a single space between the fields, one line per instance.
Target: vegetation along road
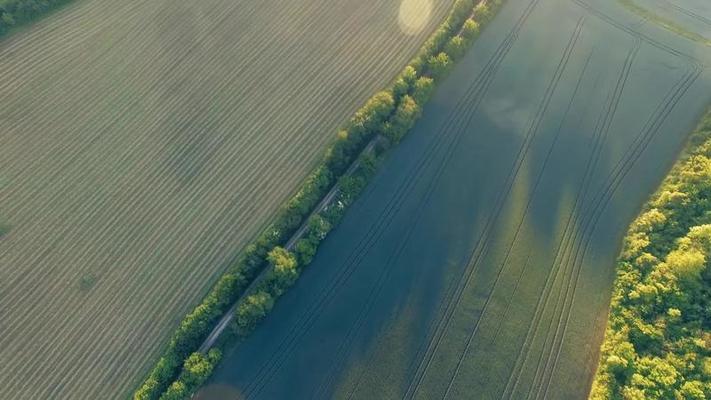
pixel 479 262
pixel 143 144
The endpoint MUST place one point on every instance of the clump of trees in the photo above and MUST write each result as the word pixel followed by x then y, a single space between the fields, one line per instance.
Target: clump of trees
pixel 389 114
pixel 658 339
pixel 17 12
pixel 197 368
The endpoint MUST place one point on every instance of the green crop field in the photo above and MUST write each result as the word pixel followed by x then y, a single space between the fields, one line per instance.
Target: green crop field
pixel 479 262
pixel 142 144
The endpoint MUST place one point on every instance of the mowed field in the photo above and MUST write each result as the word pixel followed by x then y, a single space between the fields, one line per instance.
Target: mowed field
pixel 142 143
pixel 479 262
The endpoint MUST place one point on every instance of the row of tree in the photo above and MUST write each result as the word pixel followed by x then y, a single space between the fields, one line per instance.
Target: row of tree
pixel 389 114
pixel 17 12
pixel 658 339
pixel 397 109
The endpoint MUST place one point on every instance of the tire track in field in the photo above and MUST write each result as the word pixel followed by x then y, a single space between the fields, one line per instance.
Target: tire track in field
pixel 528 259
pixel 453 299
pixel 649 40
pixel 629 158
pixel 550 92
pixel 375 292
pixel 601 131
pixel 578 257
pixel 661 113
pixel 637 148
pixel 584 243
pixel 688 12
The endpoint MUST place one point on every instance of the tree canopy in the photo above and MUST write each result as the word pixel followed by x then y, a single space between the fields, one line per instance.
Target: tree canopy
pixel 658 339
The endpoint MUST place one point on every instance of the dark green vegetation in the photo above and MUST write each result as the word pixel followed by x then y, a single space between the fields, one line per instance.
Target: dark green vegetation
pixel 388 114
pixel 18 12
pixel 658 339
pixel 143 145
pixel 479 260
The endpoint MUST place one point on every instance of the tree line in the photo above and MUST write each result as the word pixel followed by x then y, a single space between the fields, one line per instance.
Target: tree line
pixel 389 114
pixel 17 12
pixel 658 339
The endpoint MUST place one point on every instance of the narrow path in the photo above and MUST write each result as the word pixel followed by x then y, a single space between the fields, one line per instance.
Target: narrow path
pixel 325 202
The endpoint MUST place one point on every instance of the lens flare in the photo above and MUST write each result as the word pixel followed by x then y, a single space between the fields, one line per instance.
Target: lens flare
pixel 414 15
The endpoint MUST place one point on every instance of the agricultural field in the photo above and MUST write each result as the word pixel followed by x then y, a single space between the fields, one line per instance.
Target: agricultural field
pixel 479 262
pixel 142 144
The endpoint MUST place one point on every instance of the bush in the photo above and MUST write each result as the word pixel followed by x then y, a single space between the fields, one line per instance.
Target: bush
pixel 17 12
pixel 439 65
pixel 404 82
pixel 252 310
pixel 470 30
pixel 283 271
pixel 424 86
pixel 408 111
pixel 455 47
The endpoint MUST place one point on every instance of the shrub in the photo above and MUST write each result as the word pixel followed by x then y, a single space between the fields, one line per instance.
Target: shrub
pixel 439 65
pixel 455 47
pixel 408 111
pixel 252 310
pixel 470 30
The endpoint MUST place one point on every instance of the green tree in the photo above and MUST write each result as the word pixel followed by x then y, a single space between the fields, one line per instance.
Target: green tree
pixel 305 251
pixel 373 113
pixel 439 65
pixel 455 47
pixel 198 367
pixel 424 86
pixel 283 272
pixel 404 82
pixel 176 391
pixel 252 310
pixel 407 113
pixel 470 30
